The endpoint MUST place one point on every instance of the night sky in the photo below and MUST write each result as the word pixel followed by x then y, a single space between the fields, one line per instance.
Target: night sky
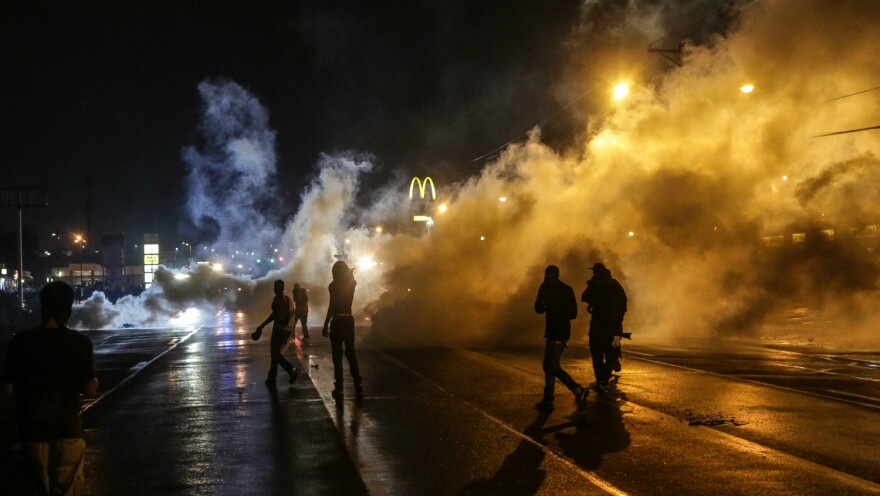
pixel 109 91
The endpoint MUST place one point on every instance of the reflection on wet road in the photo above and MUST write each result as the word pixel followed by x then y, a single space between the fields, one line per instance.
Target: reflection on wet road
pixel 196 418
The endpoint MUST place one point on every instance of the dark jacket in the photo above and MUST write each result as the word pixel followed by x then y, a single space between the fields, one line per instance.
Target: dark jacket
pixel 47 368
pixel 606 302
pixel 556 300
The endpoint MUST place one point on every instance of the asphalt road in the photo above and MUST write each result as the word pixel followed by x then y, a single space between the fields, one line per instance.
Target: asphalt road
pixel 185 411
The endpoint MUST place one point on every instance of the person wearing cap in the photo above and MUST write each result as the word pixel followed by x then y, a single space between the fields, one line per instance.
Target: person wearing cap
pixel 556 301
pixel 606 303
pixel 47 369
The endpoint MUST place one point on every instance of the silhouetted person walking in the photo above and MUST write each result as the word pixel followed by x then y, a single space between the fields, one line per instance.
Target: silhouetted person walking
pixel 301 310
pixel 282 311
pixel 556 301
pixel 47 368
pixel 341 326
pixel 606 302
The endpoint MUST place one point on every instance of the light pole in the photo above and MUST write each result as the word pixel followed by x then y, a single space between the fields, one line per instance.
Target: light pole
pixel 188 245
pixel 82 248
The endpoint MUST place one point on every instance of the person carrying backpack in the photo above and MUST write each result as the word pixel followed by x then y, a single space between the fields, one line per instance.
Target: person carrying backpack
pixel 606 303
pixel 281 314
pixel 556 301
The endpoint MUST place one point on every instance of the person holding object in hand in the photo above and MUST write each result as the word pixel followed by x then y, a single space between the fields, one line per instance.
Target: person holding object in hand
pixel 606 303
pixel 282 311
pixel 339 326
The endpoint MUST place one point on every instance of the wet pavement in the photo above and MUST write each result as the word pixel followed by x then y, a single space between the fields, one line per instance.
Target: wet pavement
pixel 185 412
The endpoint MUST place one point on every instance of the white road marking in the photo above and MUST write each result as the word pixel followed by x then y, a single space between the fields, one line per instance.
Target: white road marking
pixel 869 398
pixel 752 381
pixel 748 446
pixel 137 371
pixel 592 477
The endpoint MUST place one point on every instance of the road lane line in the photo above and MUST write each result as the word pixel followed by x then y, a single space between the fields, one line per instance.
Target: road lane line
pixel 828 371
pixel 592 477
pixel 131 376
pixel 748 446
pixel 869 398
pixel 639 353
pixel 752 381
pixel 373 476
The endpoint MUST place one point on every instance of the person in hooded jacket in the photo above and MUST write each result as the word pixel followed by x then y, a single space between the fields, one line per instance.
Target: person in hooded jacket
pixel 556 301
pixel 606 303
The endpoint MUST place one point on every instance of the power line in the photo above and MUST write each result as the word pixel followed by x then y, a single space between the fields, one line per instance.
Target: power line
pixel 846 132
pixel 494 152
pixel 853 94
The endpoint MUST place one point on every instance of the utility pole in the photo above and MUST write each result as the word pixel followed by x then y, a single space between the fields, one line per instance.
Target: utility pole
pixel 19 199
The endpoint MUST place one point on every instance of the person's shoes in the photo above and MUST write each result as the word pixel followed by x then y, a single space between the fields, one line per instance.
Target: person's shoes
pixel 270 382
pixel 581 397
pixel 293 375
pixel 544 406
pixel 600 387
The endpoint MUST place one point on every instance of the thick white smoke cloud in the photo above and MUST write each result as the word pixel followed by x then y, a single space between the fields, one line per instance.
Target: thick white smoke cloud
pixel 232 191
pixel 674 188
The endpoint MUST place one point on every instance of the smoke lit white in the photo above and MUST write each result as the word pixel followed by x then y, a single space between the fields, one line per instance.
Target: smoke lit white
pixel 674 186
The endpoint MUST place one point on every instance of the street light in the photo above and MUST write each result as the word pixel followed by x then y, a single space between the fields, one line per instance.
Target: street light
pixel 188 260
pixel 620 91
pixel 78 239
pixel 747 88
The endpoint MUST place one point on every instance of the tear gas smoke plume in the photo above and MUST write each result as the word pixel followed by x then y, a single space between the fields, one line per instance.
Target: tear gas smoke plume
pixel 680 189
pixel 675 188
pixel 232 193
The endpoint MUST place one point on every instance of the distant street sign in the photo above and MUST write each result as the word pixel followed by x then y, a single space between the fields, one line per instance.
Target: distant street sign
pixel 23 197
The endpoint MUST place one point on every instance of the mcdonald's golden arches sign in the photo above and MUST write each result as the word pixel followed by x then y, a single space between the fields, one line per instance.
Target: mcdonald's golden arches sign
pixel 422 185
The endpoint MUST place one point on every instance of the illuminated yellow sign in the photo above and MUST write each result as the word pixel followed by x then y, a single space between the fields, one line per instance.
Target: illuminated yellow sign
pixel 421 218
pixel 422 185
pixel 151 259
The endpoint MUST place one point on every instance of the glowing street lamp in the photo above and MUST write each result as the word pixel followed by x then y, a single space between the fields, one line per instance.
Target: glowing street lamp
pixel 379 229
pixel 78 239
pixel 747 88
pixel 620 91
pixel 442 208
pixel 502 199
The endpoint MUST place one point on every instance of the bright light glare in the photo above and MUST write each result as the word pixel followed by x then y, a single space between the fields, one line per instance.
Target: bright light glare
pixel 747 88
pixel 366 262
pixel 443 207
pixel 379 229
pixel 218 267
pixel 502 199
pixel 632 233
pixel 785 178
pixel 620 91
pixel 189 316
pixel 181 276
